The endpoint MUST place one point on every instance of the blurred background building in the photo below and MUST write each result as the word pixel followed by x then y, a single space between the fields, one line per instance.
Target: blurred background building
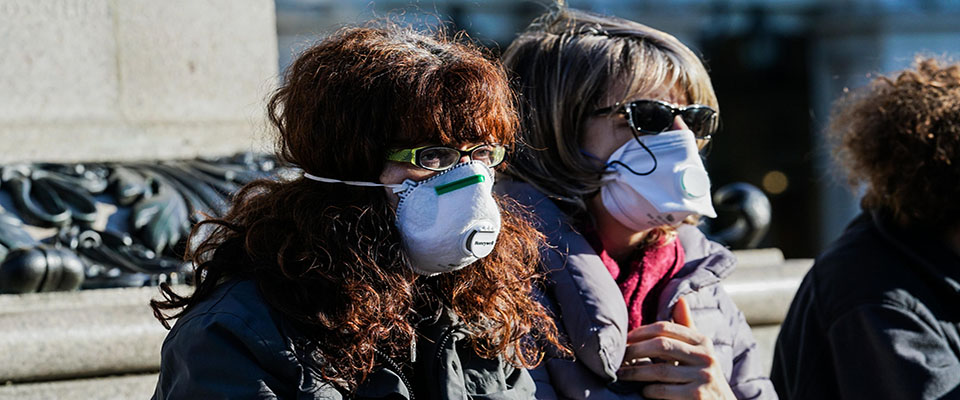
pixel 777 66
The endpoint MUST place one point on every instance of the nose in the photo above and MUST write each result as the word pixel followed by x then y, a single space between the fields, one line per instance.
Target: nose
pixel 678 124
pixel 464 159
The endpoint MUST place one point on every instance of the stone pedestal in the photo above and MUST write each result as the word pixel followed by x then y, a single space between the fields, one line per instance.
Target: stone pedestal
pixel 119 80
pixel 69 335
pixel 89 80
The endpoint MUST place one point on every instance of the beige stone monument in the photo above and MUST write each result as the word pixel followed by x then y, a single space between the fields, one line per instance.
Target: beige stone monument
pixel 88 80
pixel 113 80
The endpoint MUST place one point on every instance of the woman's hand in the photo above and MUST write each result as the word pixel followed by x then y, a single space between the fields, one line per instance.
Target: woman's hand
pixel 686 366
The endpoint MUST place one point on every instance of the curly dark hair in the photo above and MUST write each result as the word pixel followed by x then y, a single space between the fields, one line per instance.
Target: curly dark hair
pixel 328 256
pixel 901 137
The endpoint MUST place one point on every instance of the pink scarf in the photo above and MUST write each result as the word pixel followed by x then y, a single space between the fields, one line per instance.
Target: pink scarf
pixel 644 279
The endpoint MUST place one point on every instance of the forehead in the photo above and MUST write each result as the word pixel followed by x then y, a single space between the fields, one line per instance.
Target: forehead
pixel 462 144
pixel 620 92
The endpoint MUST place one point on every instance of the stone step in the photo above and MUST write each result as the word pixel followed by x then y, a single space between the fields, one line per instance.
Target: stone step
pixel 99 298
pixel 764 294
pixel 63 335
pixel 766 337
pixel 68 335
pixel 768 257
pixel 105 388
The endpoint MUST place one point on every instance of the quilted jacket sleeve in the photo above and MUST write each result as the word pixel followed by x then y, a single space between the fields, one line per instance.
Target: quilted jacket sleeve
pixel 585 299
pixel 748 379
pixel 717 316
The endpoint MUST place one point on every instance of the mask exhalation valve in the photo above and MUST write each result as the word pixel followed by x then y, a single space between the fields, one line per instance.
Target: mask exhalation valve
pixel 479 240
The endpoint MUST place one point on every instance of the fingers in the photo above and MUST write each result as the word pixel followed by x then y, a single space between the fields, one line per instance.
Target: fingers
pixel 682 315
pixel 671 349
pixel 666 329
pixel 664 372
pixel 682 327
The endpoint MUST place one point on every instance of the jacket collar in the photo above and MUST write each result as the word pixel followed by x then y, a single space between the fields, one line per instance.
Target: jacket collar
pixel 706 263
pixel 930 254
pixel 700 253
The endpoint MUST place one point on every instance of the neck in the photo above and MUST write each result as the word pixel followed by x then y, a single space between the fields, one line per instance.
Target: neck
pixel 618 240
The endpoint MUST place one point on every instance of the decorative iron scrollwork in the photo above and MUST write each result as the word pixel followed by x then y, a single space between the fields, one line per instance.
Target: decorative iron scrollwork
pixel 56 232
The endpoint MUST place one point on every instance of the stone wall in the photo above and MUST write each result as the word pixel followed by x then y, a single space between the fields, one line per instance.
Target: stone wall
pixel 97 80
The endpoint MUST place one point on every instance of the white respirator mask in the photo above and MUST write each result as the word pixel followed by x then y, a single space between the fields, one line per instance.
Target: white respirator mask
pixel 447 221
pixel 671 184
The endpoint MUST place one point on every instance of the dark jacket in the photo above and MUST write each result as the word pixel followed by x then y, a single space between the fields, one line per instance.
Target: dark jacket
pixel 593 315
pixel 875 318
pixel 233 346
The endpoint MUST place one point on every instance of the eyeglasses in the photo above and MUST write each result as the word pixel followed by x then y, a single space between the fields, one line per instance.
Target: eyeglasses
pixel 651 117
pixel 439 158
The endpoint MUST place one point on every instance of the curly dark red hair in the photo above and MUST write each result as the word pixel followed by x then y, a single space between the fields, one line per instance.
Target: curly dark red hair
pixel 328 256
pixel 901 137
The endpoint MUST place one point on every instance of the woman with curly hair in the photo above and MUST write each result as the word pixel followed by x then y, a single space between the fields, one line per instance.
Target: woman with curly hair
pixel 389 269
pixel 614 115
pixel 878 315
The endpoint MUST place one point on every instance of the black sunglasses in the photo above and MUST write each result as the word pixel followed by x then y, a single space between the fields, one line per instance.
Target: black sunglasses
pixel 651 117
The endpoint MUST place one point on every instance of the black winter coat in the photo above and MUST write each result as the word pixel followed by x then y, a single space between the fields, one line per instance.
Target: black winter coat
pixel 877 317
pixel 232 345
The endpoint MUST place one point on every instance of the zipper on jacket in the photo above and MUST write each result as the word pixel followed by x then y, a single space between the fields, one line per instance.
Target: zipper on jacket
pixel 441 344
pixel 396 368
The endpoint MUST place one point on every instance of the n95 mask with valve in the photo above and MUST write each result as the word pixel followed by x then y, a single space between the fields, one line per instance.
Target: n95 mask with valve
pixel 675 186
pixel 447 221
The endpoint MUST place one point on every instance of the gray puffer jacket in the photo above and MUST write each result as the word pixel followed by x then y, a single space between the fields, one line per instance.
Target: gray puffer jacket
pixel 233 346
pixel 593 315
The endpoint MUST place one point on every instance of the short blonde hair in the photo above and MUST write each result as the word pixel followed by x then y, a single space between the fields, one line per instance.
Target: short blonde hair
pixel 563 66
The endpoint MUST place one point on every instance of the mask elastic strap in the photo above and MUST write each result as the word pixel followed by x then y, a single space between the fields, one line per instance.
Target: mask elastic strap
pixel 654 168
pixel 396 187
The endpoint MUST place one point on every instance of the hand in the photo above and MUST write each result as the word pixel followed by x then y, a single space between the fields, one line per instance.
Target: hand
pixel 687 367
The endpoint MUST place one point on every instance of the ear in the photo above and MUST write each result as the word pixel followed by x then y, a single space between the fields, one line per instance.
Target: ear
pixel 682 315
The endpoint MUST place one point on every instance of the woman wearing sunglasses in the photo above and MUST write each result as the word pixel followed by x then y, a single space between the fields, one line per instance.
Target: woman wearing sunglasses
pixel 614 114
pixel 389 269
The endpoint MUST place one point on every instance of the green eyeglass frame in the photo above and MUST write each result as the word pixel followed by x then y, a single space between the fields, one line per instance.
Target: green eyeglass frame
pixel 439 158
